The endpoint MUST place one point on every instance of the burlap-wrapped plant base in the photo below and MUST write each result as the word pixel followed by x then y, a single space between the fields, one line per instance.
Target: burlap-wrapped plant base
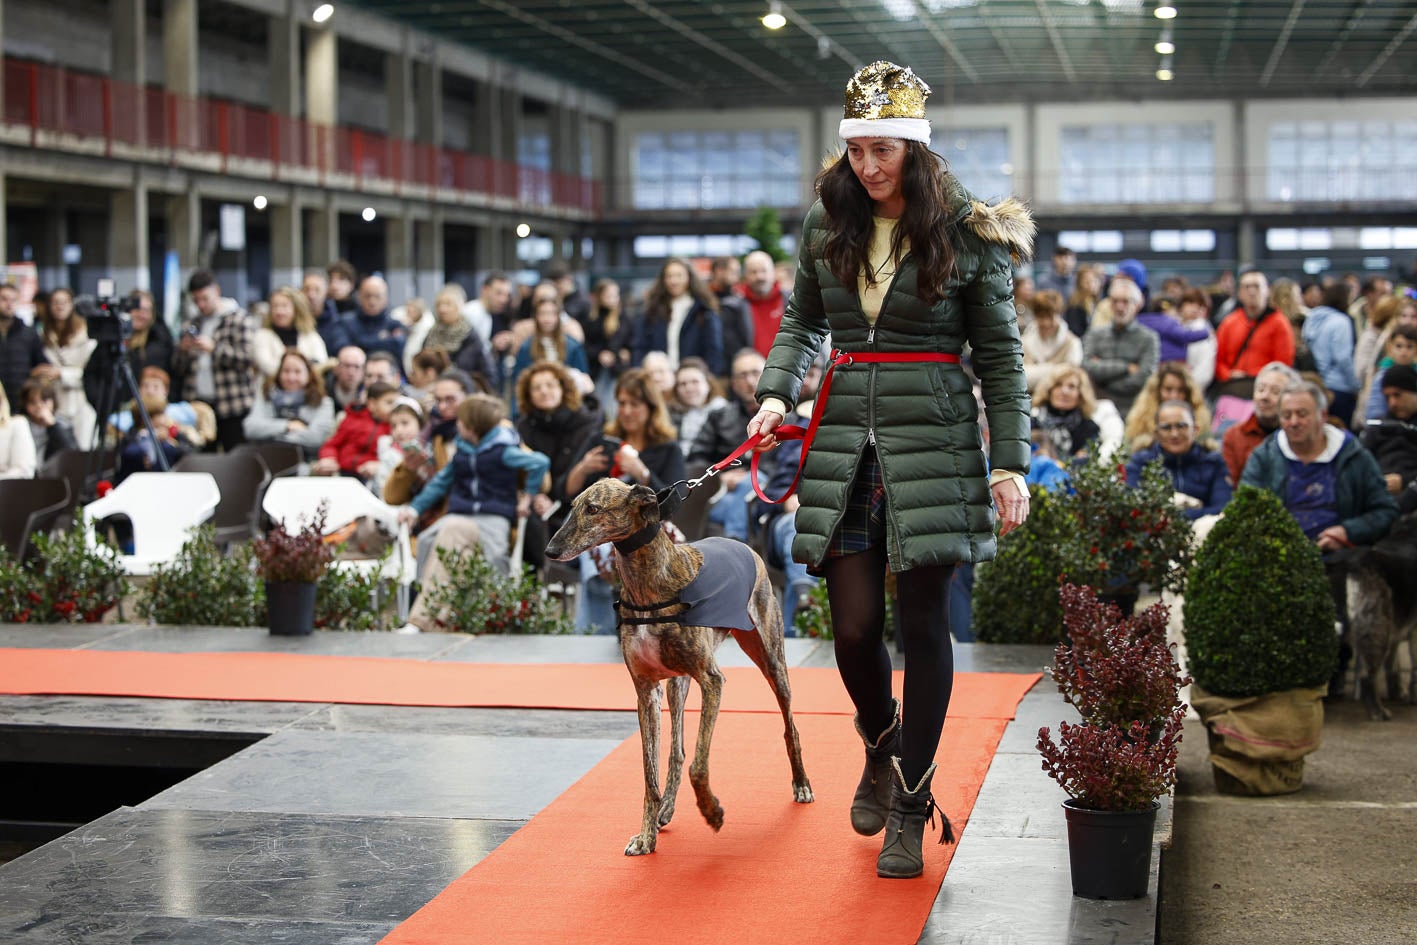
pixel 1258 743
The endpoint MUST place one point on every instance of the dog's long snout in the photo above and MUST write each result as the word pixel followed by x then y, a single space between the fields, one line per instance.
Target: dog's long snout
pixel 558 548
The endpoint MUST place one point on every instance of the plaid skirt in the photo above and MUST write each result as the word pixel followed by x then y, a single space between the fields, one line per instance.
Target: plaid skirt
pixel 863 525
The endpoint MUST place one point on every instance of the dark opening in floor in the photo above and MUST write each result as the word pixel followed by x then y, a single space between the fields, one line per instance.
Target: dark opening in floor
pixel 56 780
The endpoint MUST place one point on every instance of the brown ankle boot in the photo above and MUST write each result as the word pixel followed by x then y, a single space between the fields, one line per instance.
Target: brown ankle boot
pixel 902 856
pixel 872 801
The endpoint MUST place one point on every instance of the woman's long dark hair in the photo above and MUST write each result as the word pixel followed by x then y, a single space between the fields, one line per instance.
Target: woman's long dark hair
pixel 925 221
pixel 657 298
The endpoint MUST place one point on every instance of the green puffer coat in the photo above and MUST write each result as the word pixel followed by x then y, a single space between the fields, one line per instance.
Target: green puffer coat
pixel 922 418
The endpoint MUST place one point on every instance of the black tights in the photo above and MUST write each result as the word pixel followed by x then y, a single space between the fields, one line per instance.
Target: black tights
pixel 856 589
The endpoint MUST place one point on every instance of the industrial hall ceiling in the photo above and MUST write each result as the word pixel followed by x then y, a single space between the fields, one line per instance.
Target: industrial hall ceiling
pixel 718 53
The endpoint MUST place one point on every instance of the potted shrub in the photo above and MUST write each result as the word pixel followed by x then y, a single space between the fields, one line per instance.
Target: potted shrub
pixel 1123 537
pixel 291 565
pixel 1122 678
pixel 1016 594
pixel 1260 637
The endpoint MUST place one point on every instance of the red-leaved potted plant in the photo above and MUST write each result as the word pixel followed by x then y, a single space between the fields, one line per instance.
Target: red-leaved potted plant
pixel 1123 679
pixel 291 564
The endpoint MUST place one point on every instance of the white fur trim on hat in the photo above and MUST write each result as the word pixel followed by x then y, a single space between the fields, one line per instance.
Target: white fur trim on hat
pixel 911 129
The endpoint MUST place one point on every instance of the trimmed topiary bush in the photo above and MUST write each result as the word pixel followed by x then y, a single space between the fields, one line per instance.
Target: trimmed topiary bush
pixel 1258 614
pixel 1016 594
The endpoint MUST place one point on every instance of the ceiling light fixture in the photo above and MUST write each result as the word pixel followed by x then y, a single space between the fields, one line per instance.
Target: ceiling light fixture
pixel 523 230
pixel 1164 73
pixel 368 214
pixel 1164 45
pixel 773 19
pixel 323 12
pixel 260 202
pixel 1165 12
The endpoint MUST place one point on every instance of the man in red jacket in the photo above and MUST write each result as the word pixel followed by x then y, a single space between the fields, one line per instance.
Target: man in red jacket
pixel 353 450
pixel 1251 336
pixel 766 300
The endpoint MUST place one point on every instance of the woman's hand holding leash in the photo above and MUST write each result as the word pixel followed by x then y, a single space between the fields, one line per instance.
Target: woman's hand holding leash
pixel 1012 503
pixel 762 424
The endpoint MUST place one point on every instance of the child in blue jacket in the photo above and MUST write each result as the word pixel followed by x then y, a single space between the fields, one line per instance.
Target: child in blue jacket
pixel 482 483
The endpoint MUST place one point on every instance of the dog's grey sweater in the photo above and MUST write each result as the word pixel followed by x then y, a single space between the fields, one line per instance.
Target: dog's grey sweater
pixel 718 596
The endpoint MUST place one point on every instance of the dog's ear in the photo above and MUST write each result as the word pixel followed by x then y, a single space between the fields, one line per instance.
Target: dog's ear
pixel 645 499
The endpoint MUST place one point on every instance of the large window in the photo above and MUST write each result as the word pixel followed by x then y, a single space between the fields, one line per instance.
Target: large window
pixel 694 170
pixel 1137 163
pixel 979 157
pixel 1342 160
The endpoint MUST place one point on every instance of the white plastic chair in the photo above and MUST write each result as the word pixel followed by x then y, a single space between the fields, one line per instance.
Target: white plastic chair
pixel 163 507
pixel 291 499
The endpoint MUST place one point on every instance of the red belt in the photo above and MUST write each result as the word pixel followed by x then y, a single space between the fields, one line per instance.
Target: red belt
pixel 807 434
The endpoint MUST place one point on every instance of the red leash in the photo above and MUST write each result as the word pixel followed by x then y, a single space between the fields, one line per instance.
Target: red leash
pixel 807 434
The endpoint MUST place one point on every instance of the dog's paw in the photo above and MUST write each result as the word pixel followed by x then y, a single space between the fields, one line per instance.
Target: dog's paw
pixel 666 812
pixel 639 845
pixel 713 815
pixel 802 793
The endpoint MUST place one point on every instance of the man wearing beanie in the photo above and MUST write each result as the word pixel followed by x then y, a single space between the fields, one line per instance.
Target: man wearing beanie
pixel 1393 439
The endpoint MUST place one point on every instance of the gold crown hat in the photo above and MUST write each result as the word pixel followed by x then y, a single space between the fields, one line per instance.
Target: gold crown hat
pixel 885 100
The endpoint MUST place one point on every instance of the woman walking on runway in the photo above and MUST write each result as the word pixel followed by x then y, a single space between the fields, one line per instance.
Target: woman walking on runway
pixel 903 267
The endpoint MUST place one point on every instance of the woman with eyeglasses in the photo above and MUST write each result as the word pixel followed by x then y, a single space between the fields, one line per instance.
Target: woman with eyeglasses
pixel 1197 473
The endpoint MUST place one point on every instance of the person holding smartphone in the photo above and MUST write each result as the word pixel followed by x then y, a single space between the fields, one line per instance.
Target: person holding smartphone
pixel 639 446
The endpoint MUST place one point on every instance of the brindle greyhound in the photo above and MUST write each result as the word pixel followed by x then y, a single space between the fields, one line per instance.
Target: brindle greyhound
pixel 653 571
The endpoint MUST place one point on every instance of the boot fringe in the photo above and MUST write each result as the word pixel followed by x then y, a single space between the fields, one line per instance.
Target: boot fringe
pixel 884 736
pixel 947 834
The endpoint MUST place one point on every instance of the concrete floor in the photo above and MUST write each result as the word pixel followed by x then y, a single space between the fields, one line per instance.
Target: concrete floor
pixel 314 832
pixel 1335 862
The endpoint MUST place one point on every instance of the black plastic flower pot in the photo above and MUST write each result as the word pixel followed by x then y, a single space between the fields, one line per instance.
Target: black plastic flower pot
pixel 290 607
pixel 1110 851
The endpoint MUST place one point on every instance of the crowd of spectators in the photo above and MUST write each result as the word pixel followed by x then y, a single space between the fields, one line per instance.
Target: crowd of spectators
pixel 483 415
pixel 1306 390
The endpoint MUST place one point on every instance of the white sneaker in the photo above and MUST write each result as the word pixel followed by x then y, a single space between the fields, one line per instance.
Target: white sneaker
pixel 409 628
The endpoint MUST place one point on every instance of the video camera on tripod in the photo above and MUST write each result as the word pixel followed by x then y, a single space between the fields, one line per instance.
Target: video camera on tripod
pixel 109 317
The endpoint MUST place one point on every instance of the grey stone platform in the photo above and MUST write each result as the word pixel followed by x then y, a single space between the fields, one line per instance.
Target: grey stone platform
pixel 338 822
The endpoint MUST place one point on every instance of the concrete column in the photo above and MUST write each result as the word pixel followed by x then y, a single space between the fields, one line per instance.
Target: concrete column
pixel 179 64
pixel 429 93
pixel 2 72
pixel 128 238
pixel 184 228
pixel 128 28
pixel 129 31
pixel 398 84
pixel 1246 245
pixel 486 120
pixel 4 203
pixel 430 266
pixel 322 94
pixel 511 120
pixel 322 77
pixel 287 249
pixel 283 54
pixel 324 236
pixel 399 268
pixel 179 46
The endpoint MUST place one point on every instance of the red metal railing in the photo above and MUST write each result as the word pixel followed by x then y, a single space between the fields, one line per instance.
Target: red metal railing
pixel 66 110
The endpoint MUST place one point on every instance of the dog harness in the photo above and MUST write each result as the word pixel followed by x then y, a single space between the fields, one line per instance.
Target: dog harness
pixel 717 596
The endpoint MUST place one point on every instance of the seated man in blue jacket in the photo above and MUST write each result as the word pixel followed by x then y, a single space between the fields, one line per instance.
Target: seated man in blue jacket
pixel 1328 482
pixel 1195 471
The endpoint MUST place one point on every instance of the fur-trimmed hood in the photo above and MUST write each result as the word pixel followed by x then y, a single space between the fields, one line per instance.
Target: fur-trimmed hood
pixel 1007 223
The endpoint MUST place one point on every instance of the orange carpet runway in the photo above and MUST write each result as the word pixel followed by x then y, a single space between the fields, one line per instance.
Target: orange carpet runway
pixel 778 872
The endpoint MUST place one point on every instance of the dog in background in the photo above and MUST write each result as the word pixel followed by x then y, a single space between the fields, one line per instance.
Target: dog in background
pixel 664 589
pixel 1381 597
